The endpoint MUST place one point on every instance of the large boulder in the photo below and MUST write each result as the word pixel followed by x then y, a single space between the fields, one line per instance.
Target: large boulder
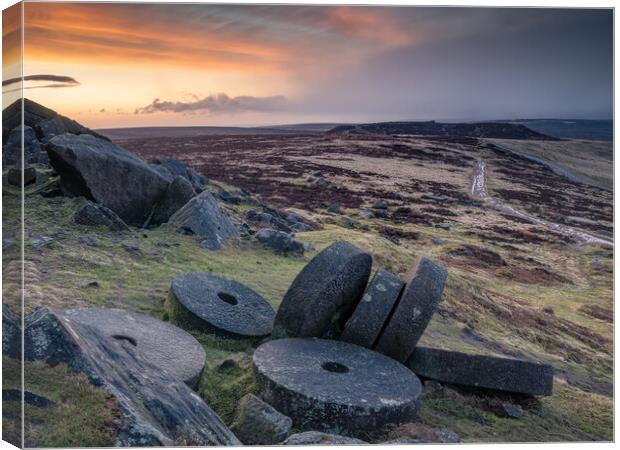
pixel 155 408
pixel 93 214
pixel 11 333
pixel 12 149
pixel 203 217
pixel 319 438
pixel 107 174
pixel 171 168
pixel 258 423
pixel 281 242
pixel 179 192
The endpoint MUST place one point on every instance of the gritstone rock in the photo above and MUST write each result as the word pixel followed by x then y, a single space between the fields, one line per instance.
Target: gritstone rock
pixel 93 214
pixel 318 438
pixel 257 423
pixel 179 192
pixel 280 241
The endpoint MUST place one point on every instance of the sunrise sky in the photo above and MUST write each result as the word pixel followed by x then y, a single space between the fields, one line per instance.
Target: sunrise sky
pixel 120 65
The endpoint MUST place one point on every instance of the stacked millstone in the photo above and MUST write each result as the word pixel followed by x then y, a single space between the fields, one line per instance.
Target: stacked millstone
pixel 368 378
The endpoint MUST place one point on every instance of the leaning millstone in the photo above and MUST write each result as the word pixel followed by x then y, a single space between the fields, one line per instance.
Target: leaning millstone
pixel 257 423
pixel 203 217
pixel 164 345
pixel 179 192
pixel 418 302
pixel 92 214
pixel 318 438
pixel 373 310
pixel 16 175
pixel 205 302
pixel 481 371
pixel 324 294
pixel 334 386
pixel 106 174
pixel 11 333
pixel 155 409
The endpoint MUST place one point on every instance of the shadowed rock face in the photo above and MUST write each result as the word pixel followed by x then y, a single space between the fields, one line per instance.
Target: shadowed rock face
pixel 502 374
pixel 334 386
pixel 98 215
pixel 179 192
pixel 203 217
pixel 106 174
pixel 155 409
pixel 11 151
pixel 258 423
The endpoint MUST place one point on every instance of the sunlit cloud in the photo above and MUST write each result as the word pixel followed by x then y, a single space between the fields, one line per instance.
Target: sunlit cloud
pixel 218 104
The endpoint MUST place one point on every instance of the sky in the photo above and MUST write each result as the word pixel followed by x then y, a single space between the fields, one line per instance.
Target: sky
pixel 124 65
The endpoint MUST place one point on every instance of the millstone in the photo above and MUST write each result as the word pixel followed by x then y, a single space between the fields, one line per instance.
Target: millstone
pixel 324 294
pixel 335 386
pixel 226 307
pixel 163 344
pixel 417 304
pixel 503 374
pixel 373 310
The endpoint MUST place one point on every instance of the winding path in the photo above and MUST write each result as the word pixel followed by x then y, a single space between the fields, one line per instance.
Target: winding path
pixel 479 191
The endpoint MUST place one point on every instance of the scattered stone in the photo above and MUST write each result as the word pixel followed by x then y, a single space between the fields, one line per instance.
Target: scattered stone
pixel 596 263
pixel 334 208
pixel 12 149
pixel 257 423
pixel 14 176
pixel 90 240
pixel 301 227
pixel 318 438
pixel 402 441
pixel 438 241
pixel 548 310
pixel 15 395
pixel 256 216
pixel 92 214
pixel 319 182
pixel 334 386
pixel 89 283
pixel 382 213
pixel 170 168
pixel 238 360
pixel 11 333
pixel 131 247
pixel 422 433
pixel 373 310
pixel 215 304
pixel 490 372
pixel 283 243
pixel 42 241
pixel 203 217
pixel 367 214
pixel 310 247
pixel 168 347
pixel 417 304
pixel 325 292
pixel 294 218
pixel 348 221
pixel 504 409
pixel 155 408
pixel 380 204
pixel 106 174
pixel 229 197
pixel 7 243
pixel 179 192
pixel 443 226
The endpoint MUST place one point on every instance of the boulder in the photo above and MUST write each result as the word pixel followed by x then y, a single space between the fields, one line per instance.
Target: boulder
pixel 179 192
pixel 155 408
pixel 169 348
pixel 367 214
pixel 214 304
pixel 335 387
pixel 257 423
pixel 283 243
pixel 203 217
pixel 318 438
pixel 325 293
pixel 92 214
pixel 334 208
pixel 171 168
pixel 106 174
pixel 373 310
pixel 380 204
pixel 15 175
pixel 481 371
pixel 418 302
pixel 11 333
pixel 233 198
pixel 12 149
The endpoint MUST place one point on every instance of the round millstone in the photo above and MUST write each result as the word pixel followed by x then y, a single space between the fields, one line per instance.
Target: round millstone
pixel 373 310
pixel 164 345
pixel 335 386
pixel 325 293
pixel 219 305
pixel 417 304
pixel 490 372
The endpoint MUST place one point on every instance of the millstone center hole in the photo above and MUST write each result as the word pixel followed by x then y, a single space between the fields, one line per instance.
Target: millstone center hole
pixel 131 340
pixel 231 300
pixel 332 366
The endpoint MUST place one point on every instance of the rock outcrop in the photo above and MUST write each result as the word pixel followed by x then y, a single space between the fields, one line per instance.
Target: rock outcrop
pixel 93 214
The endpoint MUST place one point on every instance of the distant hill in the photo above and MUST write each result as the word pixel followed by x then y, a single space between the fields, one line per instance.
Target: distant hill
pixel 495 130
pixel 149 132
pixel 595 130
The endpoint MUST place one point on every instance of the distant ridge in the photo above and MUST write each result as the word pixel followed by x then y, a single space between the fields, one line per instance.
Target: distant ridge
pixel 431 128
pixel 594 130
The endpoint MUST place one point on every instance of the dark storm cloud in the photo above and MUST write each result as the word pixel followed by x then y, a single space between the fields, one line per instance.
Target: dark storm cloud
pixel 217 104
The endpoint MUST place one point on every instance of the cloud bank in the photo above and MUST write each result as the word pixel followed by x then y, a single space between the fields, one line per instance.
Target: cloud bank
pixel 218 104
